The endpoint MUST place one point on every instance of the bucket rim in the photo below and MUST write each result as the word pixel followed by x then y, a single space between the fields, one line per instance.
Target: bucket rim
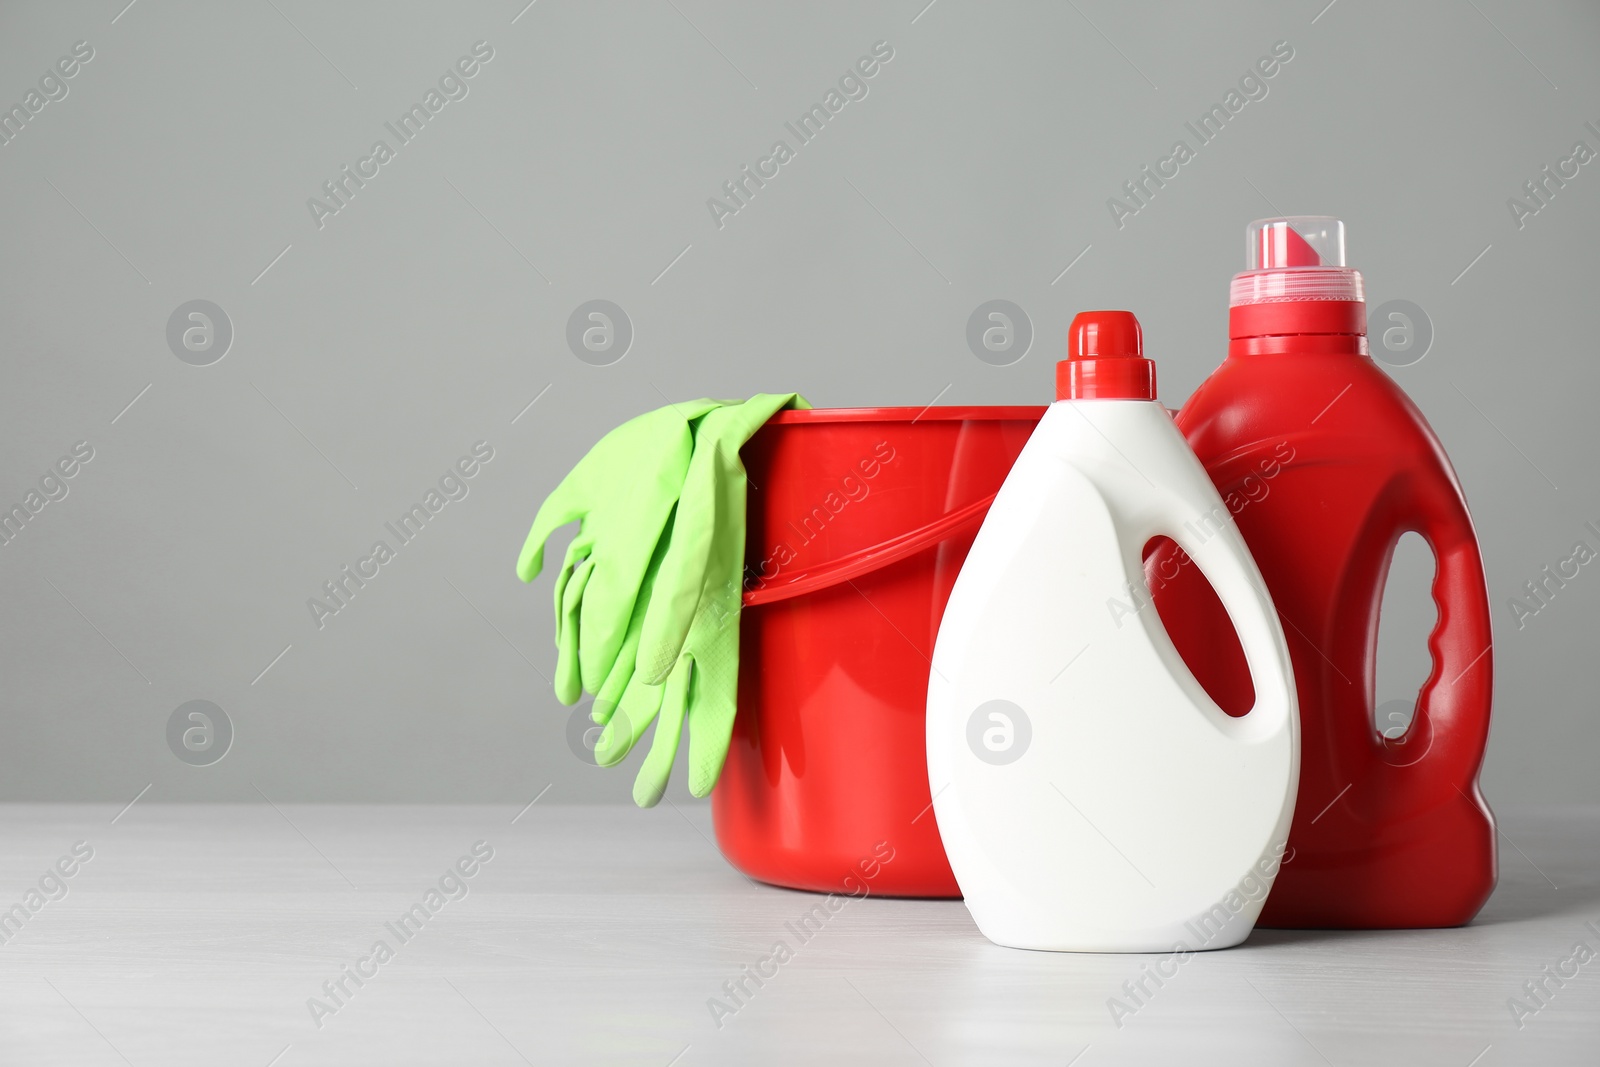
pixel 964 412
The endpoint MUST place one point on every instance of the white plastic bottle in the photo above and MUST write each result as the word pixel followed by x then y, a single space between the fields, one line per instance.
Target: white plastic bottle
pixel 1090 795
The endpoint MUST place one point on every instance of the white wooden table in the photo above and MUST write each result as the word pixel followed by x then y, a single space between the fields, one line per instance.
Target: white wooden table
pixel 198 934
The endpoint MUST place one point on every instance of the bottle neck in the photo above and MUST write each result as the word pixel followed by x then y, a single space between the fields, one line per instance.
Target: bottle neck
pixel 1290 327
pixel 1300 344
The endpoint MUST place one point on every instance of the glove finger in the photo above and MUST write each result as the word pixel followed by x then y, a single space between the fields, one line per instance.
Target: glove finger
pixel 682 573
pixel 577 552
pixel 568 682
pixel 580 547
pixel 628 721
pixel 558 509
pixel 621 670
pixel 713 640
pixel 613 594
pixel 713 643
pixel 651 784
pixel 611 692
pixel 713 705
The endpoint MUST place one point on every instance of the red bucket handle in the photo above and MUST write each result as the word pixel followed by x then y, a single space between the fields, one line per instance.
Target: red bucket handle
pixel 870 559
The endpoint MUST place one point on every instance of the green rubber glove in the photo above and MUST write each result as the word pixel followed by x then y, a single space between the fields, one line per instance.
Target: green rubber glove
pixel 622 493
pixel 697 560
pixel 690 621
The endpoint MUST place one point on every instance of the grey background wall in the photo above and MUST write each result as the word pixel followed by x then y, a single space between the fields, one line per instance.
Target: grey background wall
pixel 372 347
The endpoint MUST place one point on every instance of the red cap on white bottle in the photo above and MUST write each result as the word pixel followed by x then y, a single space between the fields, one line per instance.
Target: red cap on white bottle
pixel 1105 359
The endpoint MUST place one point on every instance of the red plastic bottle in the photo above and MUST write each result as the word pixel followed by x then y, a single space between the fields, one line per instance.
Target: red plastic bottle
pixel 1325 463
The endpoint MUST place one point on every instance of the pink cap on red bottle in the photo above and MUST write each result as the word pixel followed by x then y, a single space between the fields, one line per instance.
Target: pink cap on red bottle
pixel 1296 285
pixel 1105 359
pixel 1294 259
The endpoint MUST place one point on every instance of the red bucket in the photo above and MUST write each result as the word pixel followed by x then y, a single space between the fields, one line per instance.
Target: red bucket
pixel 858 521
